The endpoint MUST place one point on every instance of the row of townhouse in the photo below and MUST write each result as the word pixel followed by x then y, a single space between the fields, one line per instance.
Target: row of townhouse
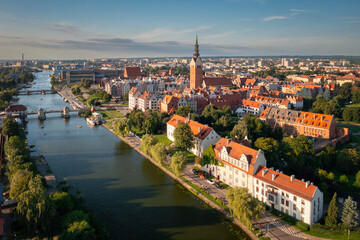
pixel 117 89
pixel 272 102
pixel 241 166
pixel 144 101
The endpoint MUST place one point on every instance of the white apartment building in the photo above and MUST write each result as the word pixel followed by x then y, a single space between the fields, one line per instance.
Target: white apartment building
pixel 248 106
pixel 242 166
pixel 204 135
pixel 133 98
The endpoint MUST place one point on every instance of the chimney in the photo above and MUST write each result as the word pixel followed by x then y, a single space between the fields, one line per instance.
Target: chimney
pixel 292 177
pixel 199 129
pixel 281 172
pixel 272 168
pixel 307 184
pixel 303 180
pixel 277 170
pixel 273 176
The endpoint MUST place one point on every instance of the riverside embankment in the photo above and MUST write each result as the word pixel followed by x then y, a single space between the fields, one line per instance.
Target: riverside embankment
pixel 132 197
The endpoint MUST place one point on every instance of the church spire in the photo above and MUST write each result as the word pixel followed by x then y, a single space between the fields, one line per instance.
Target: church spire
pixel 196 49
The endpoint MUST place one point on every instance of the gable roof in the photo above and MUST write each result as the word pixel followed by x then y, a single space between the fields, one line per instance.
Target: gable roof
pixel 197 129
pixel 132 72
pixel 284 182
pixel 220 81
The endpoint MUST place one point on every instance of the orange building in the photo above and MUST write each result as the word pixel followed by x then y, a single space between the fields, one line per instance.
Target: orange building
pixel 196 70
pixel 301 123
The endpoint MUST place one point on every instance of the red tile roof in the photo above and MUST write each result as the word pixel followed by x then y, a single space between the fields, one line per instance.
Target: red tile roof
pixel 284 182
pixel 197 129
pixel 221 81
pixel 15 108
pixel 132 72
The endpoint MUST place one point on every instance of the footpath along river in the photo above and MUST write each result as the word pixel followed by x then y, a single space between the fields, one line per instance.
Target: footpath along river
pixel 130 196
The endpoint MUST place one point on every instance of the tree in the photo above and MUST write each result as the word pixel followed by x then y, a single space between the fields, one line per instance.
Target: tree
pixel 150 124
pixel 347 114
pixel 63 202
pixel 357 180
pixel 75 90
pixel 345 91
pixel 243 206
pixel 240 130
pixel 122 126
pixel 75 216
pixel 79 231
pixel 147 141
pixel 271 149
pixel 178 163
pixel 158 152
pixel 356 96
pixel 349 215
pixel 34 209
pixel 184 111
pixel 343 179
pixel 20 183
pixel 331 218
pixel 10 127
pixel 14 146
pixel 86 82
pixel 125 98
pixel 348 161
pixel 209 157
pixel 183 137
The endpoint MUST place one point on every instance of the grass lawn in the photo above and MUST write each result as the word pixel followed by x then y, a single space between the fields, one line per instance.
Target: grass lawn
pixel 163 139
pixel 355 139
pixel 137 131
pixel 352 128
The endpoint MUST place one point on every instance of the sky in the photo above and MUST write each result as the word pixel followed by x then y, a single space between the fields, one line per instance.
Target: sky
pixel 77 29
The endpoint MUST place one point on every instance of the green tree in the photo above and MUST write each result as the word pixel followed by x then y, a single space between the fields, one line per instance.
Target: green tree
pixel 86 82
pixel 125 98
pixel 178 163
pixel 150 124
pixel 348 161
pixel 347 114
pixel 349 215
pixel 183 137
pixel 345 91
pixel 158 152
pixel 240 130
pixel 121 126
pixel 63 202
pixel 75 216
pixel 75 90
pixel 10 127
pixel 209 157
pixel 147 141
pixel 357 179
pixel 356 96
pixel 184 111
pixel 331 218
pixel 34 209
pixel 243 206
pixel 20 183
pixel 343 179
pixel 79 231
pixel 271 149
pixel 14 146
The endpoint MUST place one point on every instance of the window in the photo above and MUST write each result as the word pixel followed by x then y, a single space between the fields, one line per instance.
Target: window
pixel 294 215
pixel 262 191
pixel 257 181
pixel 257 189
pixel 295 198
pixel 302 202
pixel 287 203
pixel 282 193
pixel 287 195
pixel 282 201
pixel 302 210
pixel 294 207
pixel 287 212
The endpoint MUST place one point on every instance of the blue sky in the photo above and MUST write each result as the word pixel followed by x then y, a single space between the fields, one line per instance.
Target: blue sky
pixel 115 28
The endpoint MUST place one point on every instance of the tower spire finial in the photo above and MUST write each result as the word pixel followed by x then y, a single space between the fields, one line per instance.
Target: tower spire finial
pixel 196 49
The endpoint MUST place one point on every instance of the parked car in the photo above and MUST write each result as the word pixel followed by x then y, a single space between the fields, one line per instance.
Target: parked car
pixel 209 181
pixel 195 171
pixel 201 174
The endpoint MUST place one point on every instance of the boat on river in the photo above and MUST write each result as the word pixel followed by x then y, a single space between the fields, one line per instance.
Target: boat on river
pixel 79 126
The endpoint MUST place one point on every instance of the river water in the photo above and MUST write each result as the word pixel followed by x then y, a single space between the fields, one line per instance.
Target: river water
pixel 130 196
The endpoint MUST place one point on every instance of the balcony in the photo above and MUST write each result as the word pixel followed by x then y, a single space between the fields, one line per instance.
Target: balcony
pixel 272 198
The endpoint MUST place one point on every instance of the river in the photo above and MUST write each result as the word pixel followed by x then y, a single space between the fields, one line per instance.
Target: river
pixel 130 196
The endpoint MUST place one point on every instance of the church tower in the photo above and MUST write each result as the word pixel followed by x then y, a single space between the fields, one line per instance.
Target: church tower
pixel 196 70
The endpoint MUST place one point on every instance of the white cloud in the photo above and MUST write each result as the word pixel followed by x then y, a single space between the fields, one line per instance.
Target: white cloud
pixel 167 31
pixel 274 18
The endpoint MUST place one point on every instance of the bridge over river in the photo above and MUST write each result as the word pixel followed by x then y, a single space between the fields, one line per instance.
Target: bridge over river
pixel 40 91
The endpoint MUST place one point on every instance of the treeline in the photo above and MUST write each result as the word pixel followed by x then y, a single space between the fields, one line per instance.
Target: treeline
pixel 9 80
pixel 140 122
pixel 38 215
pixel 348 93
pixel 178 70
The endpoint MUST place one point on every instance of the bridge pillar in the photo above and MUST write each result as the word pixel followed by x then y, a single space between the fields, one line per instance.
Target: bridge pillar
pixel 41 114
pixel 43 92
pixel 65 112
pixel 27 92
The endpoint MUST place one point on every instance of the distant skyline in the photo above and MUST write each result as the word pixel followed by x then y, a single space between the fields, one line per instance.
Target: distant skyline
pixel 80 29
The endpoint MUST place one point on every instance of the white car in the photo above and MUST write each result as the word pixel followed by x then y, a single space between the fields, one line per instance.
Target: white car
pixel 209 181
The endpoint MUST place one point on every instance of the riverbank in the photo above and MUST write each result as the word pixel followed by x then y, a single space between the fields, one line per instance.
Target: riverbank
pixel 136 146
